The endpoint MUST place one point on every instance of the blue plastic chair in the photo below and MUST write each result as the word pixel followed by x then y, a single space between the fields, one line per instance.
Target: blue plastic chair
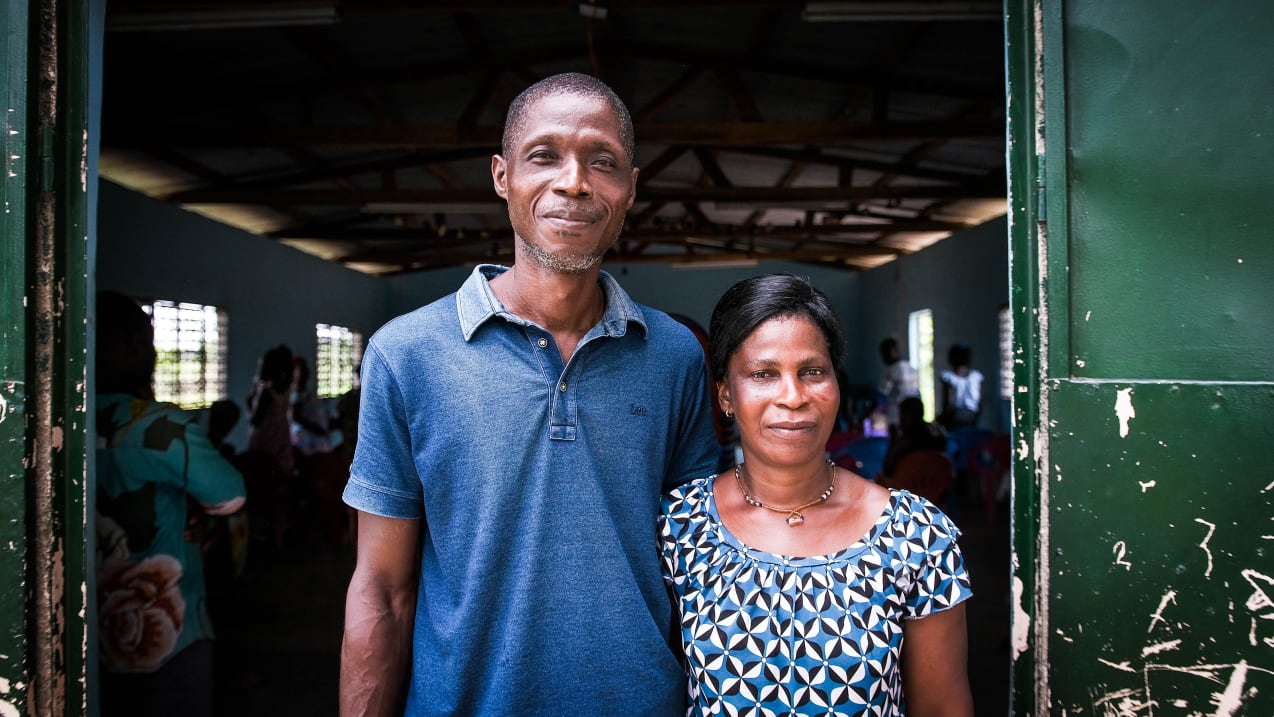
pixel 870 452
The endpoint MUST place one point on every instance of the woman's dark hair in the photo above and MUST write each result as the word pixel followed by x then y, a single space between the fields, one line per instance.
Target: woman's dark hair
pixel 752 302
pixel 959 355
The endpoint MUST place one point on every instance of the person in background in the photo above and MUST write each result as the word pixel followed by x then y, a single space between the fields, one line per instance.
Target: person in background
pixel 222 417
pixel 156 470
pixel 899 380
pixel 961 390
pixel 310 423
pixel 347 419
pixel 514 439
pixel 912 434
pixel 802 588
pixel 269 431
pixel 270 436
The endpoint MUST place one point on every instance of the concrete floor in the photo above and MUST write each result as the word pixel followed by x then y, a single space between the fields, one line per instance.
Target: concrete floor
pixel 279 629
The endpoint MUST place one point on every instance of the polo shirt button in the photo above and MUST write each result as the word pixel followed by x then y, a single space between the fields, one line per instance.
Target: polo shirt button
pixel 543 342
pixel 562 387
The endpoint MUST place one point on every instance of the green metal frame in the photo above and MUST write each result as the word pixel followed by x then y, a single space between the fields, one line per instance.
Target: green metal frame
pixel 1023 64
pixel 43 316
pixel 13 351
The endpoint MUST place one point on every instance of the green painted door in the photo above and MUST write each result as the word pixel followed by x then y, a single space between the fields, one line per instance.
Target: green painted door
pixel 43 382
pixel 1142 163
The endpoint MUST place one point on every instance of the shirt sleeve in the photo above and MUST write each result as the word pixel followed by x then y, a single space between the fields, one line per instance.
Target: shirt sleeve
pixel 697 448
pixel 941 582
pixel 210 478
pixel 383 478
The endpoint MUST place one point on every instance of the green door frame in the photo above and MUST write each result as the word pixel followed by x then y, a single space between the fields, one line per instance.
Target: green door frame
pixel 1139 268
pixel 43 379
pixel 1025 143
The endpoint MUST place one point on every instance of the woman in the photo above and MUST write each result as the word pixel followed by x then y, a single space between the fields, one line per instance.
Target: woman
pixel 801 587
pixel 961 390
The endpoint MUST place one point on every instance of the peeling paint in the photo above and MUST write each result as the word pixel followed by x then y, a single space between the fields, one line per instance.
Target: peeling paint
pixel 1260 598
pixel 1124 666
pixel 1021 620
pixel 1228 702
pixel 1204 544
pixel 7 709
pixel 1120 550
pixel 1121 703
pixel 1170 596
pixel 1160 647
pixel 1124 410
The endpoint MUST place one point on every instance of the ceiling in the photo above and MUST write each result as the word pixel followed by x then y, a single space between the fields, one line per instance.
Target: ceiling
pixel 366 139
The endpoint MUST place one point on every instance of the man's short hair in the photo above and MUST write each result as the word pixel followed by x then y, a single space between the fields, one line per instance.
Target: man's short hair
pixel 567 83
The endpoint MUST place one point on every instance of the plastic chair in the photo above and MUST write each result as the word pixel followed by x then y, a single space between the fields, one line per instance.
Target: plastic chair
pixel 869 451
pixel 962 441
pixel 986 465
pixel 928 474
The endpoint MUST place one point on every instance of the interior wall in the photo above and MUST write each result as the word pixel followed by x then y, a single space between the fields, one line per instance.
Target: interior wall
pixel 964 281
pixel 273 294
pixel 692 293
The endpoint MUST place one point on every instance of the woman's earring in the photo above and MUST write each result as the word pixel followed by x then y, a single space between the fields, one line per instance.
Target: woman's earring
pixel 729 413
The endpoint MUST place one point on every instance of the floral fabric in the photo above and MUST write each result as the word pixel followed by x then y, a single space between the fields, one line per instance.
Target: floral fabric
pixel 152 458
pixel 765 634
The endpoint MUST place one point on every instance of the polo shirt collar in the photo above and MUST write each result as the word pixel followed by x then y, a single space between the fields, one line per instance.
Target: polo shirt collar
pixel 476 303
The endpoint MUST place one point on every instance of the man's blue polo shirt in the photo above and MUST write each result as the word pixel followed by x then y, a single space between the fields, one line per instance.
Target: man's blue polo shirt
pixel 538 485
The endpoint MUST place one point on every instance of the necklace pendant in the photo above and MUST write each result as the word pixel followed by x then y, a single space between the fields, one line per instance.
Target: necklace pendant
pixel 795 519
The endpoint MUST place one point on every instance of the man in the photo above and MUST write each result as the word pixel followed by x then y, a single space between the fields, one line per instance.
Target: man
pixel 154 462
pixel 514 440
pixel 899 381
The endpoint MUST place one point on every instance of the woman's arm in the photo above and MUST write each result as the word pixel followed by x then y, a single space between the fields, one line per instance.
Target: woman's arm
pixel 380 613
pixel 935 656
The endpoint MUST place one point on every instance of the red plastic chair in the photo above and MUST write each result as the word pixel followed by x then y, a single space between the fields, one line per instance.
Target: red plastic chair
pixel 928 474
pixel 986 464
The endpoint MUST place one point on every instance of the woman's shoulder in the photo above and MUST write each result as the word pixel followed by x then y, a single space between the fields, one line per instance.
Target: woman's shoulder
pixel 916 515
pixel 687 497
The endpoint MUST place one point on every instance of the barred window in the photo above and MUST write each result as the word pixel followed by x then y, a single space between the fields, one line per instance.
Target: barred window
pixel 1006 353
pixel 190 352
pixel 920 346
pixel 340 351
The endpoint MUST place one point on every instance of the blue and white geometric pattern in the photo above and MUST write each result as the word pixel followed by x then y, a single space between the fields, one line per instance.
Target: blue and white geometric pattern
pixel 765 634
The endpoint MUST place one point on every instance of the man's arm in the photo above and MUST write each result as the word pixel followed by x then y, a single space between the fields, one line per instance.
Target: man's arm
pixel 380 612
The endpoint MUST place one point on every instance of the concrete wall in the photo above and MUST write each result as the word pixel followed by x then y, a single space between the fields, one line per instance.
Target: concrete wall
pixel 275 294
pixel 692 293
pixel 964 280
pixel 272 294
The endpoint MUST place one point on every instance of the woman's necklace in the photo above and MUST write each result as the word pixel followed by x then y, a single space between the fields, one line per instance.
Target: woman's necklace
pixel 794 515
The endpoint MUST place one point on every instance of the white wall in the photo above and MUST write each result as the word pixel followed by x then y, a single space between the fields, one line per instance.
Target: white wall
pixel 964 280
pixel 275 294
pixel 692 293
pixel 272 293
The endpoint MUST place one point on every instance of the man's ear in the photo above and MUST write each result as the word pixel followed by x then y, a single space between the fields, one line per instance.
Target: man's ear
pixel 500 177
pixel 632 190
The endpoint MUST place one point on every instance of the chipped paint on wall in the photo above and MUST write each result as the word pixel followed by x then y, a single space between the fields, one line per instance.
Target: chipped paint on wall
pixel 1021 620
pixel 1204 544
pixel 1169 597
pixel 1124 410
pixel 1160 647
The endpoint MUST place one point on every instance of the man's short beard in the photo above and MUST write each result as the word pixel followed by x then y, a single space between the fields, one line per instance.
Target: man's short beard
pixel 562 263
